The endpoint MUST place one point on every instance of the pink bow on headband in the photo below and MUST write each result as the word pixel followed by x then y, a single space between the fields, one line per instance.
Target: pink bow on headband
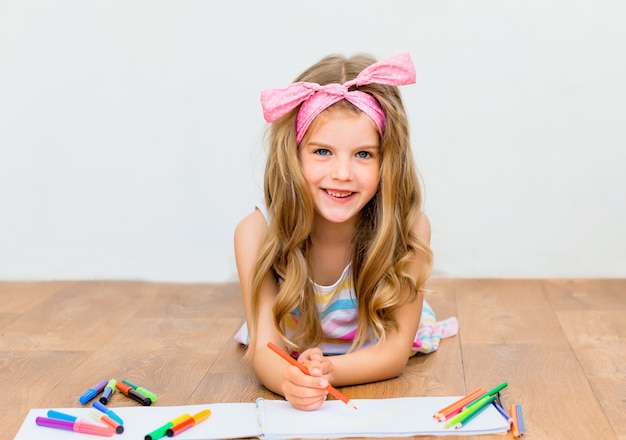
pixel 315 98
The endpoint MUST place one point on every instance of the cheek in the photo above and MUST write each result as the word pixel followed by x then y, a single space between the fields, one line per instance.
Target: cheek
pixel 312 173
pixel 372 175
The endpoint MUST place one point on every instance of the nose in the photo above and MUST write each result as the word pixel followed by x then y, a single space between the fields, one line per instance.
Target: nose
pixel 341 169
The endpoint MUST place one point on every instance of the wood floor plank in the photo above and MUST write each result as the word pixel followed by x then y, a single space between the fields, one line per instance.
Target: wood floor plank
pixel 599 339
pixel 28 377
pixel 195 301
pixel 581 294
pixel 503 311
pixel 21 297
pixel 207 335
pixel 79 316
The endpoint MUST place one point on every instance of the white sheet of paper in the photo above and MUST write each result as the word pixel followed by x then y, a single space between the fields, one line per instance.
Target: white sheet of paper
pixel 395 417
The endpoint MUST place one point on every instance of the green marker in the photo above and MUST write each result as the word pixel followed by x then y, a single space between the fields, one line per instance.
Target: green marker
pixel 162 431
pixel 473 412
pixel 149 394
pixel 491 392
pixel 467 413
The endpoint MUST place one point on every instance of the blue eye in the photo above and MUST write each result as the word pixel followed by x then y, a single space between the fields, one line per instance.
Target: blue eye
pixel 322 151
pixel 364 155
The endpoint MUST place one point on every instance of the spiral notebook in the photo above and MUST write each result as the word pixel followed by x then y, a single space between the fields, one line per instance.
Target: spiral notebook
pixel 277 419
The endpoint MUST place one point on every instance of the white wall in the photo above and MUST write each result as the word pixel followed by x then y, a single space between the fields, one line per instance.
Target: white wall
pixel 130 130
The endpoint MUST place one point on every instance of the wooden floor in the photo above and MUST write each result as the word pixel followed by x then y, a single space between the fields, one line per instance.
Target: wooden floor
pixel 560 344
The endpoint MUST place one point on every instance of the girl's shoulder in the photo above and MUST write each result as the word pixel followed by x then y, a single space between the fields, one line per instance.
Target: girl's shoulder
pixel 249 236
pixel 253 224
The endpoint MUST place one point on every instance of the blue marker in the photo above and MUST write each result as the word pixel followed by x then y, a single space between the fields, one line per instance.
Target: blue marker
pixel 108 412
pixel 52 414
pixel 92 392
pixel 108 392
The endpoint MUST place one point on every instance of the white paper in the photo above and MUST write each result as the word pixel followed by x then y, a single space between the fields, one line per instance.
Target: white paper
pixel 395 417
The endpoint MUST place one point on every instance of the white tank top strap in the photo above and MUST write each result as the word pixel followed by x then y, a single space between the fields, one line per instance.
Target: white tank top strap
pixel 263 209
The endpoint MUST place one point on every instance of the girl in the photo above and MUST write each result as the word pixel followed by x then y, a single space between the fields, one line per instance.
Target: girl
pixel 332 265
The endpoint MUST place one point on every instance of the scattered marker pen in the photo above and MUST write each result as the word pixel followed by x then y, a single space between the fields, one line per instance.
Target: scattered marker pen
pixel 77 426
pixel 108 392
pixel 92 392
pixel 100 407
pixel 502 411
pixel 103 418
pixel 189 422
pixel 142 390
pixel 129 391
pixel 52 414
pixel 474 411
pixel 491 392
pixel 520 419
pixel 161 431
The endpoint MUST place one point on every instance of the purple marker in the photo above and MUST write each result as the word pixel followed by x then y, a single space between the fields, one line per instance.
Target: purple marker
pixel 92 392
pixel 77 426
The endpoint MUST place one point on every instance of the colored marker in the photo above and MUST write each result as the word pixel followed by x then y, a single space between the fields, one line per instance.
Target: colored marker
pixel 108 392
pixel 127 390
pixel 473 412
pixel 92 392
pixel 502 411
pixel 482 403
pixel 100 407
pixel 103 418
pixel 77 426
pixel 491 392
pixel 455 407
pixel 52 414
pixel 515 425
pixel 142 390
pixel 189 422
pixel 331 389
pixel 162 431
pixel 520 419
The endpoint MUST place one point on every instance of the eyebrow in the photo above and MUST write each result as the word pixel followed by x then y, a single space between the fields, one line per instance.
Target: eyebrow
pixel 329 146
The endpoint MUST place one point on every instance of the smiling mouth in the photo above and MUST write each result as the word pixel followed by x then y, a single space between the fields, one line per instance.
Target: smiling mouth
pixel 339 194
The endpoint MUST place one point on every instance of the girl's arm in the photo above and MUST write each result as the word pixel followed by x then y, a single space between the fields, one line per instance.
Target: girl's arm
pixel 302 391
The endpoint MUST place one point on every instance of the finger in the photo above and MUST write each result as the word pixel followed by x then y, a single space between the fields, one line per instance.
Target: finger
pixel 302 399
pixel 313 380
pixel 307 406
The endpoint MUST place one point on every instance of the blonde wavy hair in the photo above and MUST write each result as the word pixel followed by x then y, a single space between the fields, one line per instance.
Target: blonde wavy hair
pixel 384 242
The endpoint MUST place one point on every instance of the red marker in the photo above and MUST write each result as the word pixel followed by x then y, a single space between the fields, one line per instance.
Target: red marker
pixel 189 422
pixel 129 391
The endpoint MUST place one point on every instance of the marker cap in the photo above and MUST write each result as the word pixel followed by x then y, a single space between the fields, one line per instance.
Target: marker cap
pixel 92 392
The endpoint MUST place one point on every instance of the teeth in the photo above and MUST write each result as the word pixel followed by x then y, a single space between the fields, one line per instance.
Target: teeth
pixel 338 194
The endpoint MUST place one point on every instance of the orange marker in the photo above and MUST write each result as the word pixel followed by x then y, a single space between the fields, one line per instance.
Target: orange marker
pixel 189 422
pixel 103 418
pixel 331 389
pixel 129 391
pixel 455 407
pixel 515 425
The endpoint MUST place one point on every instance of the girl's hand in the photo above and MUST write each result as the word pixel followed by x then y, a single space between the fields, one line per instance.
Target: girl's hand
pixel 308 392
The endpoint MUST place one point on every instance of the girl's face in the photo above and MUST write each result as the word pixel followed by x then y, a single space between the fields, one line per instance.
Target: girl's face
pixel 340 161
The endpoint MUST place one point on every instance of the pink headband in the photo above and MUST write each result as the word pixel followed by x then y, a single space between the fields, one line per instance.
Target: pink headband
pixel 315 98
